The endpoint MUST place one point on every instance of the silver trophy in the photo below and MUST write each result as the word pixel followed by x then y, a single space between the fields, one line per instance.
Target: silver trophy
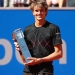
pixel 19 37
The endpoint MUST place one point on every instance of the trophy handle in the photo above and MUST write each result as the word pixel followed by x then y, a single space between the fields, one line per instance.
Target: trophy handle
pixel 20 52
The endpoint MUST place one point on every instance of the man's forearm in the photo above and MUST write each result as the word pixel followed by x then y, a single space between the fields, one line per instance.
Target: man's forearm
pixel 53 56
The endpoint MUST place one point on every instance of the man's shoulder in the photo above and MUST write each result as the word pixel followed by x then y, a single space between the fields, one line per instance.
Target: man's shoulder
pixel 52 25
pixel 29 26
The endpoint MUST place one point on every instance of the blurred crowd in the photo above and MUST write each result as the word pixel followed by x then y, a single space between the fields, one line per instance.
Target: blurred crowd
pixel 26 3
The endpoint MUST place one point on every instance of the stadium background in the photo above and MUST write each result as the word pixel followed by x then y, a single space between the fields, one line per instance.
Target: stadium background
pixel 10 19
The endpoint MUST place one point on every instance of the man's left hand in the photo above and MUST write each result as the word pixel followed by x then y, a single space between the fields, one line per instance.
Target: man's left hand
pixel 33 61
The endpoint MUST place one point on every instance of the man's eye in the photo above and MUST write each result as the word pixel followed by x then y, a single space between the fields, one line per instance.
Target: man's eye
pixel 39 10
pixel 36 10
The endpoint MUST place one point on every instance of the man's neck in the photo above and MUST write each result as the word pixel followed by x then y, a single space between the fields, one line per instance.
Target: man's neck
pixel 40 23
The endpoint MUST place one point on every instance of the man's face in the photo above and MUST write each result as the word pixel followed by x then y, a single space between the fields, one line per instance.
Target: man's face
pixel 39 13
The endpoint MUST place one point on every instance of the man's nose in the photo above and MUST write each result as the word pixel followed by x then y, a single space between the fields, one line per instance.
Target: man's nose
pixel 39 12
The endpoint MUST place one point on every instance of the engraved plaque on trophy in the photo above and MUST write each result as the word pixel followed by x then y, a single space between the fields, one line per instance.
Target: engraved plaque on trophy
pixel 19 37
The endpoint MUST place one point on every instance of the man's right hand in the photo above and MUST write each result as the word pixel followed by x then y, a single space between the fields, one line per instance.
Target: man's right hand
pixel 17 46
pixel 18 49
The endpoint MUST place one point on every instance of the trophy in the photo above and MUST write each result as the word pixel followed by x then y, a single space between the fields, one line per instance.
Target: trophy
pixel 19 37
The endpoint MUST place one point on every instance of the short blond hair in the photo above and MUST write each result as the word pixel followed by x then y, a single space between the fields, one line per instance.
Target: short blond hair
pixel 39 4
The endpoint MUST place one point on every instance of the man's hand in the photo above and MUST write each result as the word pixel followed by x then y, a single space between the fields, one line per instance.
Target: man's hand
pixel 33 61
pixel 18 49
pixel 17 46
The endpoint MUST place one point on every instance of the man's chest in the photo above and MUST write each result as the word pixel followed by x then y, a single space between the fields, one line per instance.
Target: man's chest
pixel 39 35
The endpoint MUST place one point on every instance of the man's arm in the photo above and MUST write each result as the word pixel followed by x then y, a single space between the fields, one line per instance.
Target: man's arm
pixel 55 55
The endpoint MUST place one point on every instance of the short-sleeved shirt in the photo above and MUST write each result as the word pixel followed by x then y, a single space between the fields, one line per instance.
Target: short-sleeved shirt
pixel 41 42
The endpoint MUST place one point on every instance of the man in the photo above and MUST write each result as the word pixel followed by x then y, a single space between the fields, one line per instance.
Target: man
pixel 18 3
pixel 55 3
pixel 8 3
pixel 44 42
